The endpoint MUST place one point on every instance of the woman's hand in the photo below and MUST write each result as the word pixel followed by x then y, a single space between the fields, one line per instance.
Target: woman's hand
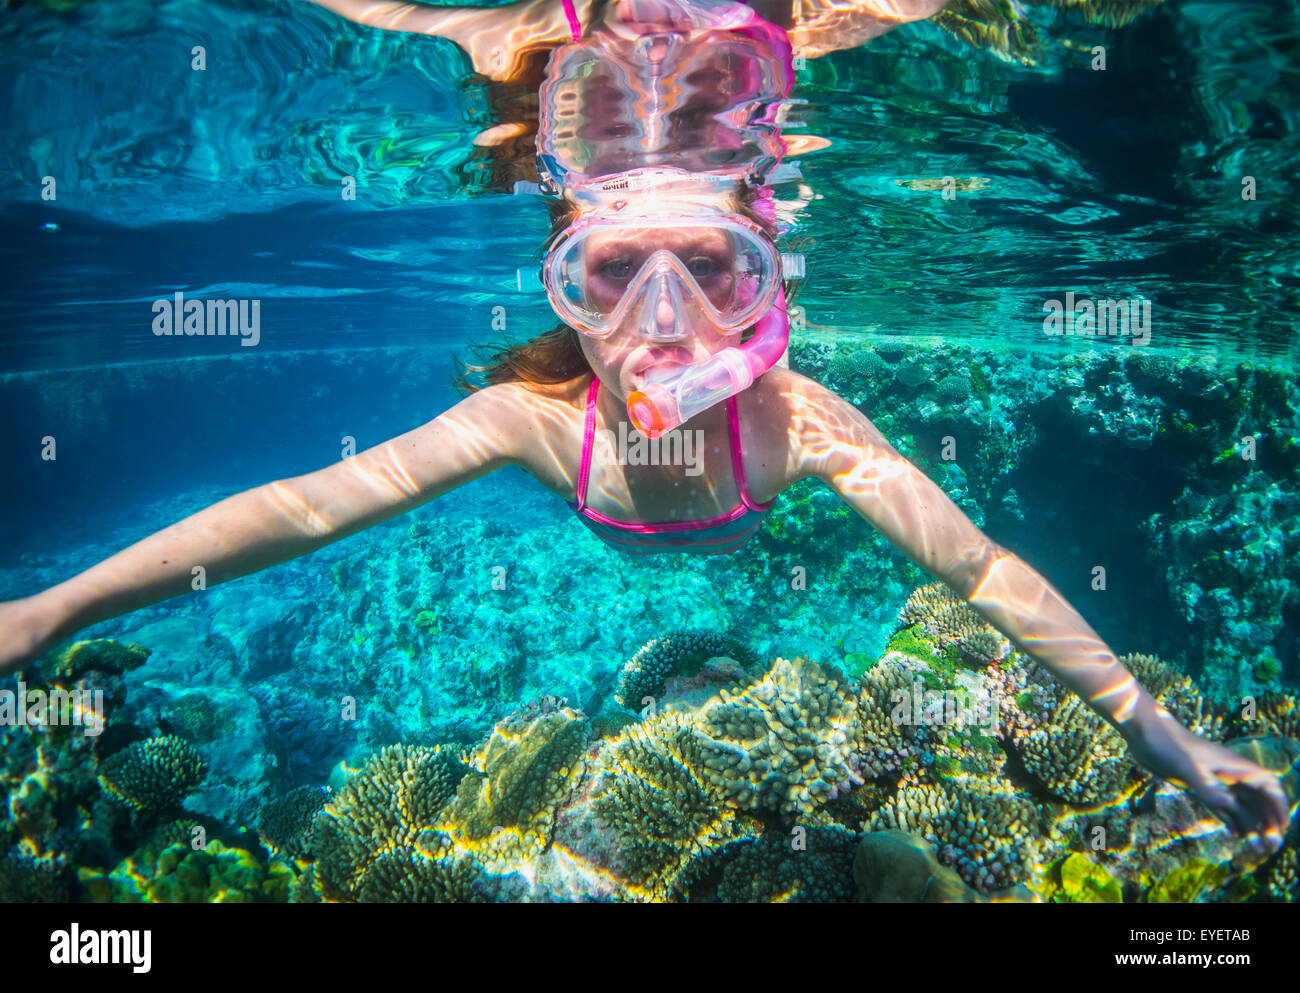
pixel 27 629
pixel 1247 797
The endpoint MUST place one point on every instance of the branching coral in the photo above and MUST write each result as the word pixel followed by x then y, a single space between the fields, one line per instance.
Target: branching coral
pixel 812 866
pixel 664 817
pixel 989 833
pixel 950 621
pixel 154 774
pixel 677 653
pixel 1176 692
pixel 1063 743
pixel 785 744
pixel 288 825
pixel 387 815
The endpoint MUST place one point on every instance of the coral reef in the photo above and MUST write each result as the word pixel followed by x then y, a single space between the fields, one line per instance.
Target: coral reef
pixel 991 835
pixel 288 825
pixel 784 744
pixel 104 656
pixel 374 836
pixel 179 873
pixel 153 775
pixel 954 769
pixel 25 878
pixel 813 866
pixel 1064 745
pixel 676 653
pixel 953 624
pixel 665 818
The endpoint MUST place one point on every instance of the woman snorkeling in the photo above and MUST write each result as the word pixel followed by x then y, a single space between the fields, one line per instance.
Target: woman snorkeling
pixel 671 290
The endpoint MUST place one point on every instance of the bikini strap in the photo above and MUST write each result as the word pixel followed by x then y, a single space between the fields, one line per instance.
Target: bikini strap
pixel 575 26
pixel 588 436
pixel 737 462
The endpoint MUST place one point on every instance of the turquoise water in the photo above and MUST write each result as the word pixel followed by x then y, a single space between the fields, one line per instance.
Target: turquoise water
pixel 925 312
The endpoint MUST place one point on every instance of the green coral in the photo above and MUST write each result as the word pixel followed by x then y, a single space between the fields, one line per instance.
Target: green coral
pixel 911 641
pixel 198 718
pixel 102 655
pixel 1187 884
pixel 960 634
pixel 1078 879
pixel 1267 670
pixel 182 874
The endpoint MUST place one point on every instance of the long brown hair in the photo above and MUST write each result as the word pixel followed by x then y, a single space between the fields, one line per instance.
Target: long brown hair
pixel 555 357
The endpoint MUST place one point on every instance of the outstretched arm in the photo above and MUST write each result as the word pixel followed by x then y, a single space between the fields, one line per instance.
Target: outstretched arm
pixel 270 524
pixel 843 448
pixel 493 37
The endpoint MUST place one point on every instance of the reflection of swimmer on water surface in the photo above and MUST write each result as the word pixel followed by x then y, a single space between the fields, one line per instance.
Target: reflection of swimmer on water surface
pixel 499 40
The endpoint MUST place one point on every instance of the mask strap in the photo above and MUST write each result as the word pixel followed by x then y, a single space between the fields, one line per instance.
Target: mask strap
pixel 575 26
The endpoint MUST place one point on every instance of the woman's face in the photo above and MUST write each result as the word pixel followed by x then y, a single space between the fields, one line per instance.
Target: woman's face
pixel 657 331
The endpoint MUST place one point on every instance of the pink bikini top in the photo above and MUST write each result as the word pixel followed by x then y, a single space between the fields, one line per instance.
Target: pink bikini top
pixel 715 536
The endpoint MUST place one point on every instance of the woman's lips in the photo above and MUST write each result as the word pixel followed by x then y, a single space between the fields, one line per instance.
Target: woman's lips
pixel 663 356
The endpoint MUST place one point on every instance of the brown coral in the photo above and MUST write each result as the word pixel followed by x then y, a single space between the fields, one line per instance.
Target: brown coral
pixel 154 774
pixel 951 621
pixel 785 744
pixel 987 832
pixel 664 817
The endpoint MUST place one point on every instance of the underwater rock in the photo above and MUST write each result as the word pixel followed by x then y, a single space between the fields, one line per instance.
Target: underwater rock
pixel 1232 564
pixel 265 633
pixel 894 866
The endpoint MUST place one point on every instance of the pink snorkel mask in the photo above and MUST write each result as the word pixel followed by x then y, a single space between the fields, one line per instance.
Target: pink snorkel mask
pixel 656 246
pixel 658 251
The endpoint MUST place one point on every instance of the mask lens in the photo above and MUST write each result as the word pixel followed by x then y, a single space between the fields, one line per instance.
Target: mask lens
pixel 596 276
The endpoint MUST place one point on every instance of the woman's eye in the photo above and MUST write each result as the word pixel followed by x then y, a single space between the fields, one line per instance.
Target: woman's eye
pixel 702 267
pixel 617 269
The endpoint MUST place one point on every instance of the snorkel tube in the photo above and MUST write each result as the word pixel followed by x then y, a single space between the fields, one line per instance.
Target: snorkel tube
pixel 672 397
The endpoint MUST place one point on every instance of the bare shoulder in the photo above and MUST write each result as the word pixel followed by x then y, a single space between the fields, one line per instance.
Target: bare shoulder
pixel 817 428
pixel 539 426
